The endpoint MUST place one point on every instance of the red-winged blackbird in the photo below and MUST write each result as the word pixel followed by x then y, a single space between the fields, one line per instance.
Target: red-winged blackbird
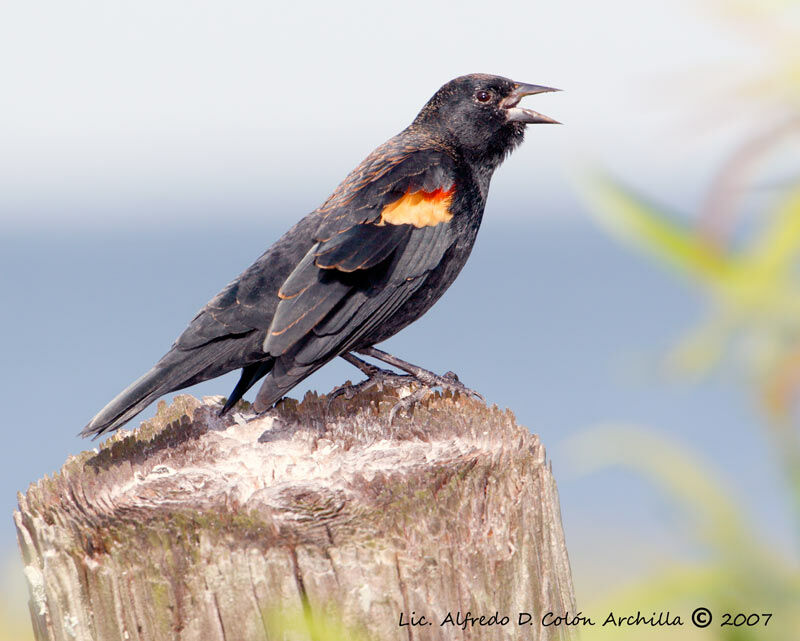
pixel 372 259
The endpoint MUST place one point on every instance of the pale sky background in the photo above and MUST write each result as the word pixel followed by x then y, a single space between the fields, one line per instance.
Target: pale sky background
pixel 112 109
pixel 150 151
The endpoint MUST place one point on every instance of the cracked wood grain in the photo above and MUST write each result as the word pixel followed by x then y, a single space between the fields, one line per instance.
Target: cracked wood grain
pixel 194 527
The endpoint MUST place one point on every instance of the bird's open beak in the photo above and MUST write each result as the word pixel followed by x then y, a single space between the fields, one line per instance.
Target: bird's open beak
pixel 520 114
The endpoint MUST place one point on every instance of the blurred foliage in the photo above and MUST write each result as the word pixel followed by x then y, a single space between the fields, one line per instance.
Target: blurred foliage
pixel 753 290
pixel 302 626
pixel 751 278
pixel 15 619
pixel 772 26
pixel 749 274
pixel 752 283
pixel 753 293
pixel 741 571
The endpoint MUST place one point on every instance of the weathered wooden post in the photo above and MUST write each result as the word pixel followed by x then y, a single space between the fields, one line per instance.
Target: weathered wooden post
pixel 198 528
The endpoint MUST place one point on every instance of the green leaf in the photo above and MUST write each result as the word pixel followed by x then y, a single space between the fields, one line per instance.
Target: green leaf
pixel 631 217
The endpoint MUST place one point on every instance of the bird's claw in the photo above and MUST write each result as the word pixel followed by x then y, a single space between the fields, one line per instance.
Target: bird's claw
pixel 449 381
pixel 414 374
pixel 408 402
pixel 377 378
pixel 445 382
pixel 429 380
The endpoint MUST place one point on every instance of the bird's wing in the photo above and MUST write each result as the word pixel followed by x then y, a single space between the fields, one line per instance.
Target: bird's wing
pixel 394 169
pixel 374 247
pixel 248 303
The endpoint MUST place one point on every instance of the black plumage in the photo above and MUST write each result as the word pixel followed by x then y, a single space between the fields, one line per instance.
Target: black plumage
pixel 372 259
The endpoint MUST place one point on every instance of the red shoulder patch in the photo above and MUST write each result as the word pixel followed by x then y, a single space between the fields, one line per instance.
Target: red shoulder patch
pixel 419 208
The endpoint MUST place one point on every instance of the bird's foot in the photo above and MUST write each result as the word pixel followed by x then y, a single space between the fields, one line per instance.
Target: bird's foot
pixel 425 379
pixel 377 377
pixel 428 380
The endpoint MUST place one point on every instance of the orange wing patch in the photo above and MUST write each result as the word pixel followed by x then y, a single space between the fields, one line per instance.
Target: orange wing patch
pixel 419 208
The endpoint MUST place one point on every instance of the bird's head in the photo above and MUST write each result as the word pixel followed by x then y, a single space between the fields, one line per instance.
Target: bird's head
pixel 480 113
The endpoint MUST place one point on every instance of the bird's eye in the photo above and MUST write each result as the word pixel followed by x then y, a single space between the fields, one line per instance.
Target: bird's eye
pixel 483 96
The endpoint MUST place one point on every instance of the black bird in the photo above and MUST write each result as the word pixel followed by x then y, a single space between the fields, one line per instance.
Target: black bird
pixel 373 258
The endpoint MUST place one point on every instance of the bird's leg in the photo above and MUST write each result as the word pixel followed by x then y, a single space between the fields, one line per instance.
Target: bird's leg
pixel 375 376
pixel 426 378
pixel 368 369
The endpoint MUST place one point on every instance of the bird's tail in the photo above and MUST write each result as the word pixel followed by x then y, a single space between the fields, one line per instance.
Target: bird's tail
pixel 129 402
pixel 177 370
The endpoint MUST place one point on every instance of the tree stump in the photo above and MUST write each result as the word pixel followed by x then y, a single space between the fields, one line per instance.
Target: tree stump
pixel 196 527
